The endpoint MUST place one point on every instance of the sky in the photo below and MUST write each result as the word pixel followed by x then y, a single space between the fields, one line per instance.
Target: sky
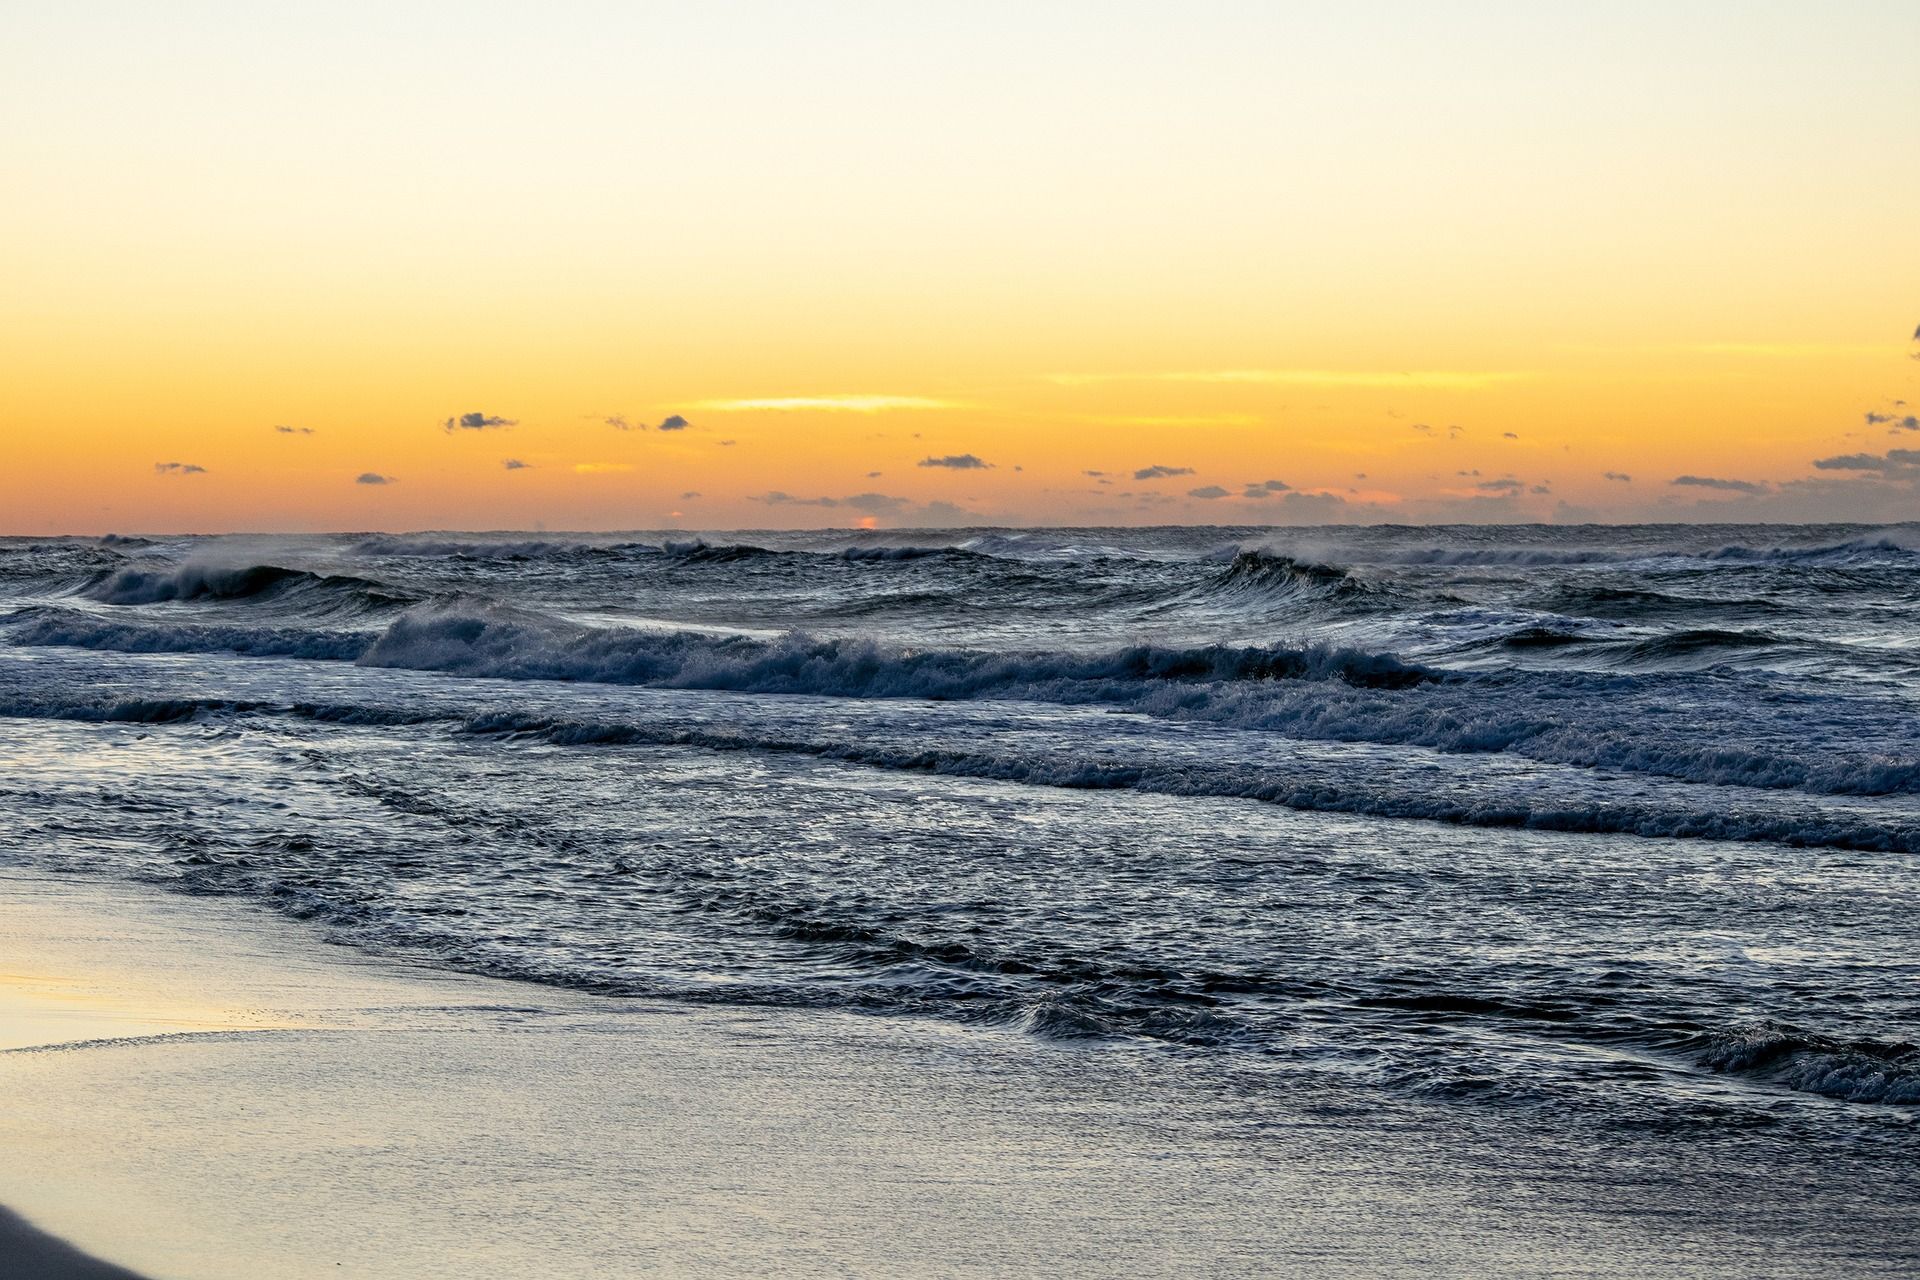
pixel 736 264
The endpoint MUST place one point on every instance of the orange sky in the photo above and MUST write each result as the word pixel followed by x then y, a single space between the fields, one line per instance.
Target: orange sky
pixel 1408 266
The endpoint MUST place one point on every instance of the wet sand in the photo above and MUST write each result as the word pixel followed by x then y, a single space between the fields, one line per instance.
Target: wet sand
pixel 200 1090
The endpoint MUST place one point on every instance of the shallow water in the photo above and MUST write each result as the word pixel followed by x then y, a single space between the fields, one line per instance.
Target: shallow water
pixel 1580 836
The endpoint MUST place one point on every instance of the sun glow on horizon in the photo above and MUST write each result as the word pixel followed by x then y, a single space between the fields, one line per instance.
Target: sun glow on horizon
pixel 1638 264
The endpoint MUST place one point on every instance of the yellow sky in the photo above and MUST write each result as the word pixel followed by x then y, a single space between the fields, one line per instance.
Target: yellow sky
pixel 1411 265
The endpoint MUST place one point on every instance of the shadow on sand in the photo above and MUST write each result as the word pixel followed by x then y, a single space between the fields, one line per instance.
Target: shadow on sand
pixel 27 1253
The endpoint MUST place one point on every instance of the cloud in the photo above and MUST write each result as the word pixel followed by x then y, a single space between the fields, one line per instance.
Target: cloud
pixel 1540 488
pixel 477 422
pixel 956 461
pixel 179 469
pixel 689 495
pixel 827 404
pixel 619 422
pixel 874 475
pixel 1899 421
pixel 514 464
pixel 1620 476
pixel 294 431
pixel 674 422
pixel 600 468
pixel 944 513
pixel 1509 435
pixel 775 498
pixel 1506 485
pixel 1160 472
pixel 876 504
pixel 374 477
pixel 1262 489
pixel 1895 462
pixel 1432 379
pixel 1207 491
pixel 1712 482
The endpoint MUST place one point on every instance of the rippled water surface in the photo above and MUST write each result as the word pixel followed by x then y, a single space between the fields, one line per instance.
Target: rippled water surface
pixel 1596 835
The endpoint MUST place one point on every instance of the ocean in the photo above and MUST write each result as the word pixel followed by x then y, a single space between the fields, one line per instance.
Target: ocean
pixel 1590 839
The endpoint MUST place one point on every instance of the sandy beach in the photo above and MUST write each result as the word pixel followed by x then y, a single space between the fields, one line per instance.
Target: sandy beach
pixel 199 1089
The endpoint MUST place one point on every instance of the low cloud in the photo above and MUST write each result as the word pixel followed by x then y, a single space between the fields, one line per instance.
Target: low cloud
pixel 294 431
pixel 1509 435
pixel 776 498
pixel 1714 482
pixel 1894 462
pixel 957 462
pixel 689 495
pixel 1898 421
pixel 1207 491
pixel 374 477
pixel 1160 472
pixel 514 464
pixel 1261 489
pixel 674 422
pixel 1506 484
pixel 179 469
pixel 1620 476
pixel 477 422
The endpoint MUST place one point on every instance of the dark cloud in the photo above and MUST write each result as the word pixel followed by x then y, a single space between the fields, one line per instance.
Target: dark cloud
pixel 294 431
pixel 876 504
pixel 373 477
pixel 1095 474
pixel 1208 491
pixel 1510 435
pixel 1265 488
pixel 1540 488
pixel 1160 472
pixel 689 495
pixel 1621 476
pixel 1506 484
pixel 1474 472
pixel 936 514
pixel 674 422
pixel 775 498
pixel 1895 462
pixel 1714 482
pixel 874 475
pixel 179 469
pixel 514 464
pixel 1898 421
pixel 957 462
pixel 619 423
pixel 476 422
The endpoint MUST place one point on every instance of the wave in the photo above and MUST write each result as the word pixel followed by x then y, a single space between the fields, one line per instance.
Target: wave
pixel 62 628
pixel 1851 1070
pixel 1589 720
pixel 196 582
pixel 510 644
pixel 1898 547
pixel 487 548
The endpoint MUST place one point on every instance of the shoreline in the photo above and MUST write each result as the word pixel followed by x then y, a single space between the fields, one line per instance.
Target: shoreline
pixel 210 1091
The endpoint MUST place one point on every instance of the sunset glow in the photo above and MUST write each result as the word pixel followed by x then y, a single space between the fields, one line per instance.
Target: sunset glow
pixel 1485 264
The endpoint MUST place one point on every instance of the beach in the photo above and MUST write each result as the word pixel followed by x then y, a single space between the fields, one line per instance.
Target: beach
pixel 197 1090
